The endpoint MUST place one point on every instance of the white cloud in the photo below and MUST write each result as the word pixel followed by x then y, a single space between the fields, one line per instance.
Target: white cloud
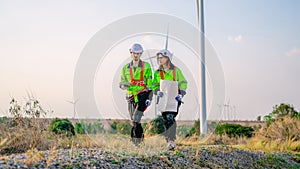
pixel 151 42
pixel 293 52
pixel 230 38
pixel 237 39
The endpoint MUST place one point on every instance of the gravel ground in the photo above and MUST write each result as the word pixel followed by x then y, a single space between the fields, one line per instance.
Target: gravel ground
pixel 182 157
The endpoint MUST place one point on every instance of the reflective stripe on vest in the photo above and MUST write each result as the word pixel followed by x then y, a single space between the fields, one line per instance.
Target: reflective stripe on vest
pixel 139 82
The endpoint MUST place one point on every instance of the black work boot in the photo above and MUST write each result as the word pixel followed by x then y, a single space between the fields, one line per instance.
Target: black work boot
pixel 137 134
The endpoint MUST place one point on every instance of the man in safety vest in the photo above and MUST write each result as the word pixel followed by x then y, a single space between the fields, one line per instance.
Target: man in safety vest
pixel 168 71
pixel 136 78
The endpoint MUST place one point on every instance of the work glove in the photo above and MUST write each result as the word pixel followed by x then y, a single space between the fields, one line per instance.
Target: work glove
pixel 170 116
pixel 160 93
pixel 124 86
pixel 178 98
pixel 147 102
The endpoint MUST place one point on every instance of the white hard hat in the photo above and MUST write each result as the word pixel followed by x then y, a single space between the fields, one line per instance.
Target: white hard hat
pixel 136 48
pixel 165 53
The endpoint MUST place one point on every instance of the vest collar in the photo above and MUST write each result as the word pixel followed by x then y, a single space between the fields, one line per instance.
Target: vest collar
pixel 131 64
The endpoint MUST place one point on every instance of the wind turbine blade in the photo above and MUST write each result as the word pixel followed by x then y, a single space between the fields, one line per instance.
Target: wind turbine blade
pixel 167 37
pixel 70 101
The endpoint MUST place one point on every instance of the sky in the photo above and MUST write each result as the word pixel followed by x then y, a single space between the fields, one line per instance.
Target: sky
pixel 257 43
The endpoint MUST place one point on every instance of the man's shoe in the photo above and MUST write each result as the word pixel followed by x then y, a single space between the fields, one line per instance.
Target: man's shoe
pixel 171 145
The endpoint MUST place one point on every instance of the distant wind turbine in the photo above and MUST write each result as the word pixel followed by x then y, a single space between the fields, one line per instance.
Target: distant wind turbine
pixel 73 102
pixel 227 110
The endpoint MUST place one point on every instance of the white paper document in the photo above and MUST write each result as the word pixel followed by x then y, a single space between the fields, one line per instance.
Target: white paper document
pixel 168 102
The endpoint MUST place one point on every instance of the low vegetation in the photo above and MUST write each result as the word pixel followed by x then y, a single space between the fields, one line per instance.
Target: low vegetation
pixel 155 126
pixel 84 127
pixel 281 131
pixel 26 130
pixel 234 130
pixel 62 127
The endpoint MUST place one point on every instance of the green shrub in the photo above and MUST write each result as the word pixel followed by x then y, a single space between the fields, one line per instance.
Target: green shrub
pixel 62 126
pixel 97 127
pixel 279 112
pixel 89 128
pixel 234 130
pixel 79 128
pixel 113 126
pixel 258 118
pixel 4 119
pixel 124 128
pixel 155 126
pixel 144 125
pixel 182 130
pixel 7 121
pixel 195 129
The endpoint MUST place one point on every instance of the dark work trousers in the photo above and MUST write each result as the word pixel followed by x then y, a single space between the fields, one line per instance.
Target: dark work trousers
pixel 170 124
pixel 136 111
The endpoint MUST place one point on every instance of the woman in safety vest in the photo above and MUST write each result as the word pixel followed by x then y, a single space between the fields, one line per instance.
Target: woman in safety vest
pixel 136 79
pixel 168 71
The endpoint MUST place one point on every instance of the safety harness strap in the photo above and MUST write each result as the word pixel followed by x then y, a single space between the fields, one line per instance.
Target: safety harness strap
pixel 162 74
pixel 137 82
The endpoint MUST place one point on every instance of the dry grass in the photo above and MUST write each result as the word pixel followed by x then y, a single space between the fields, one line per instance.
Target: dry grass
pixel 267 145
pixel 282 129
pixel 27 132
pixel 214 139
pixel 282 135
pixel 15 139
pixel 33 155
pixel 26 129
pixel 225 139
pixel 121 143
pixel 20 138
